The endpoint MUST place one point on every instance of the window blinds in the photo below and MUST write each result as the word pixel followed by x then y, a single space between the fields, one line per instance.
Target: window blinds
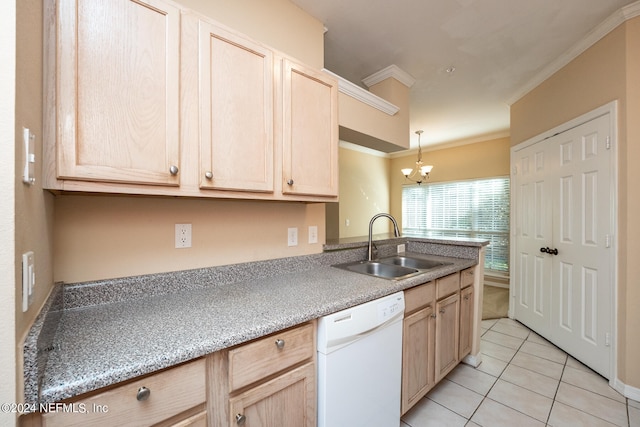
pixel 476 208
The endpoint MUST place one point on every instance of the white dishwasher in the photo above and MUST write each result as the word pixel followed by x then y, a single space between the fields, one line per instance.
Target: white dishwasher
pixel 360 365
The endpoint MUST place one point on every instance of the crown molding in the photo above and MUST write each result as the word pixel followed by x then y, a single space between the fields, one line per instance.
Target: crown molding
pixel 613 21
pixel 363 95
pixel 391 71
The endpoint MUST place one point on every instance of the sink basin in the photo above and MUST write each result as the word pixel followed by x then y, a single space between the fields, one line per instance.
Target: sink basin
pixel 379 269
pixel 418 263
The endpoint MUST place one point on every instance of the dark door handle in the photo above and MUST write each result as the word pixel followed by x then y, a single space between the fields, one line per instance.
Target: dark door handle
pixel 553 251
pixel 544 250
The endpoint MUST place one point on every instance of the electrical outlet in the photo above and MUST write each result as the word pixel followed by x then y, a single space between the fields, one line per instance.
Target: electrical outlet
pixel 28 279
pixel 183 236
pixel 292 236
pixel 313 234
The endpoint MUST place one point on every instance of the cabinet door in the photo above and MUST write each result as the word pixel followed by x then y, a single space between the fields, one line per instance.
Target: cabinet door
pixel 310 145
pixel 418 343
pixel 447 330
pixel 117 91
pixel 466 321
pixel 285 401
pixel 236 112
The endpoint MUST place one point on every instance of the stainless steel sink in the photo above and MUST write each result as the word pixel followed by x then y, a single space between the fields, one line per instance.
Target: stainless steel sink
pixel 417 263
pixel 379 269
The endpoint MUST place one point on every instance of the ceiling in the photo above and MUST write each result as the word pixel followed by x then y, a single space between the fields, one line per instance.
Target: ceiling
pixel 499 48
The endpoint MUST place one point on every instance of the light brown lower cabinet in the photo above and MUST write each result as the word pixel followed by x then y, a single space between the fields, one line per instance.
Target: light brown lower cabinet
pixel 268 382
pixel 285 401
pixel 173 397
pixel 417 356
pixel 447 334
pixel 466 321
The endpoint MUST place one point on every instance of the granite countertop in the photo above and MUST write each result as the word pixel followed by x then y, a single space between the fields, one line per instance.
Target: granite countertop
pixel 98 345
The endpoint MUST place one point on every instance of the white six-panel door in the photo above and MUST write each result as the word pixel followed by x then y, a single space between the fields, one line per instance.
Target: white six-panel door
pixel 563 203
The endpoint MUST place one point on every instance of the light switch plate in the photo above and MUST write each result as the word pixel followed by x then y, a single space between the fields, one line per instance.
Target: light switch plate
pixel 183 236
pixel 292 236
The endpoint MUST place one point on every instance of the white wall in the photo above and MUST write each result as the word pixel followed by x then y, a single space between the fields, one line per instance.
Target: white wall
pixel 7 208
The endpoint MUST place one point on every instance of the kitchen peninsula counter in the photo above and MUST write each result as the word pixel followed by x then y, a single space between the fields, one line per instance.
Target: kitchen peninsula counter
pixel 92 335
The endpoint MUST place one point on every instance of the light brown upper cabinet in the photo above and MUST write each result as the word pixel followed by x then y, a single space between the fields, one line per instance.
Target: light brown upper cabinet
pixel 310 133
pixel 117 91
pixel 236 112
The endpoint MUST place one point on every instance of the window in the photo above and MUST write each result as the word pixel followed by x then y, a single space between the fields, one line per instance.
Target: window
pixel 477 208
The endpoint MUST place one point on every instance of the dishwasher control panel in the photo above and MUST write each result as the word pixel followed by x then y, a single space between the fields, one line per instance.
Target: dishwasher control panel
pixel 389 308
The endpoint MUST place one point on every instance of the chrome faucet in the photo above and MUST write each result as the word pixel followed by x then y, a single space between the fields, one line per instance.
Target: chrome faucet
pixel 395 230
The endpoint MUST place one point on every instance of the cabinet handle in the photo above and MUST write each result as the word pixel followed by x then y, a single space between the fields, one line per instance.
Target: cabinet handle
pixel 290 182
pixel 143 394
pixel 434 315
pixel 442 311
pixel 173 170
pixel 280 343
pixel 208 175
pixel 240 419
pixel 466 297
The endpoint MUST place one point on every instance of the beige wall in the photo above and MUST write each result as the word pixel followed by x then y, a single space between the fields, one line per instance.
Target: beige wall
pixel 364 192
pixel 98 237
pixel 469 161
pixel 607 71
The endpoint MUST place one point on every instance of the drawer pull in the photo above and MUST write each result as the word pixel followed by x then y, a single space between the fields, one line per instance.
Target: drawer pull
pixel 240 419
pixel 442 311
pixel 173 170
pixel 280 343
pixel 143 394
pixel 434 315
pixel 466 297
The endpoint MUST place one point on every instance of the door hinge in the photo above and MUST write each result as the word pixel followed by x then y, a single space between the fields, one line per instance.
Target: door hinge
pixel 607 241
pixel 607 339
pixel 514 170
pixel 607 143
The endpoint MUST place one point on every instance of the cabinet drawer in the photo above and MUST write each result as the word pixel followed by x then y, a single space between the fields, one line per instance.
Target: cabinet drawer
pixel 419 296
pixel 172 391
pixel 259 359
pixel 447 285
pixel 466 277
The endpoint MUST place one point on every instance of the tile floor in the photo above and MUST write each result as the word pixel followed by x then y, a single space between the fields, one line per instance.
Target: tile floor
pixel 523 381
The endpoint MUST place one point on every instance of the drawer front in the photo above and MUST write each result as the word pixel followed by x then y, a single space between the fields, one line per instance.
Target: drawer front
pixel 172 391
pixel 259 359
pixel 466 277
pixel 447 285
pixel 418 297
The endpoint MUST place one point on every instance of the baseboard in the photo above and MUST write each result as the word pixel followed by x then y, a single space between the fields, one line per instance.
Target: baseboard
pixel 626 390
pixel 497 281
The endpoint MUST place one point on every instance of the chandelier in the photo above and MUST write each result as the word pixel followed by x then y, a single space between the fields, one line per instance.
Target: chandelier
pixel 421 172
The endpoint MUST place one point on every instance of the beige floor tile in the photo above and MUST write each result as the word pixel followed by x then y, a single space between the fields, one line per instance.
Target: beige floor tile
pixel 594 404
pixel 591 381
pixel 533 337
pixel 538 364
pixel 503 339
pixel 472 378
pixel 576 364
pixel 522 400
pixel 487 324
pixel 428 413
pixel 453 396
pixel 634 416
pixel 491 365
pixel 500 352
pixel 493 414
pixel 550 353
pixel 472 424
pixel 511 328
pixel 566 416
pixel 402 424
pixel 531 380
